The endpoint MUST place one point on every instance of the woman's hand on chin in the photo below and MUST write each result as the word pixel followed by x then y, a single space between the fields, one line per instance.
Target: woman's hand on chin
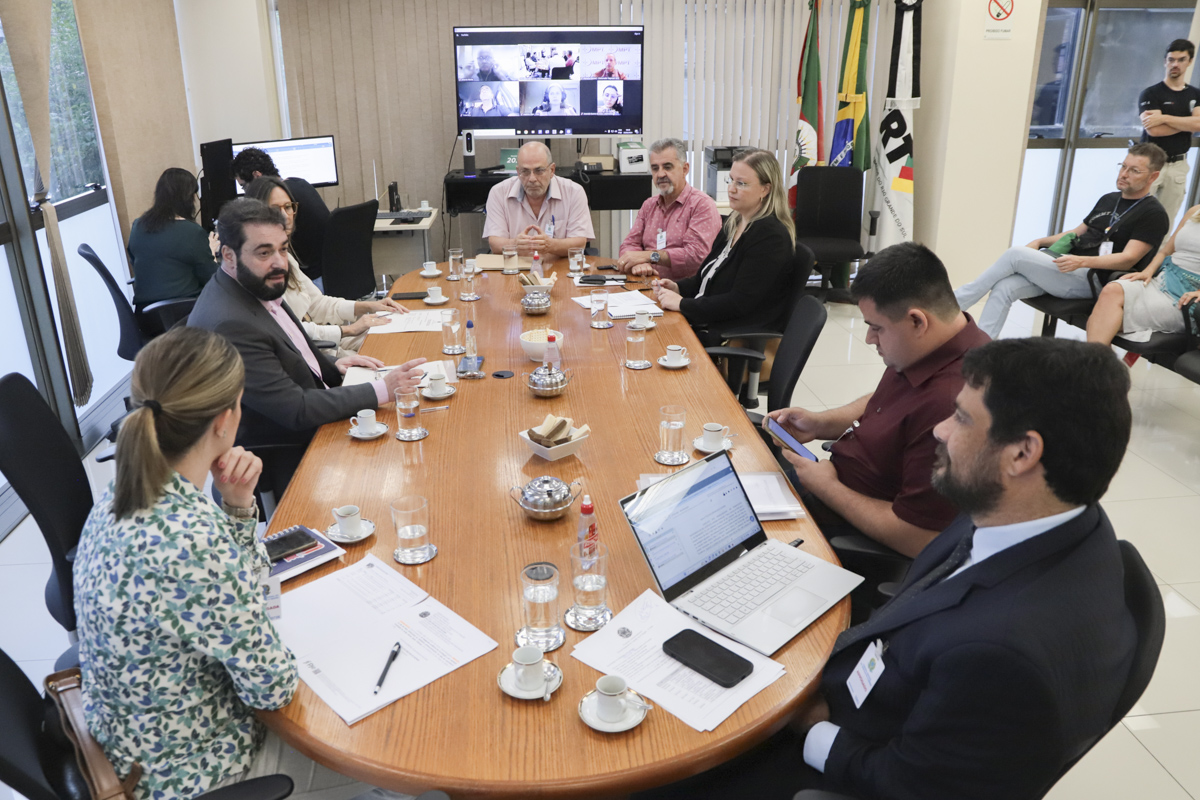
pixel 235 474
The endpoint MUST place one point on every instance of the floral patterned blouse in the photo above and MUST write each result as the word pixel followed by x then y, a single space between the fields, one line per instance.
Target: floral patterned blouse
pixel 174 641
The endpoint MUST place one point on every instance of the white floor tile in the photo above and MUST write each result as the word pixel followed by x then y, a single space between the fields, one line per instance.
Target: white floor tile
pixel 1119 766
pixel 1186 399
pixel 838 346
pixel 1138 479
pixel 1164 532
pixel 839 385
pixel 24 545
pixel 803 396
pixel 32 634
pixel 1189 590
pixel 1174 686
pixel 1174 741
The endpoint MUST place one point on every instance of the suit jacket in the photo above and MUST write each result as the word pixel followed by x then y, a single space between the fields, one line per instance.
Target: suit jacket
pixel 283 402
pixel 308 238
pixel 994 679
pixel 752 288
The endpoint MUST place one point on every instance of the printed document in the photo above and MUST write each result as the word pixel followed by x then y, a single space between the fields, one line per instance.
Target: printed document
pixel 424 320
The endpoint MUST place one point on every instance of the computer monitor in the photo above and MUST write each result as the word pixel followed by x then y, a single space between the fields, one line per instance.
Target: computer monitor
pixel 311 158
pixel 549 82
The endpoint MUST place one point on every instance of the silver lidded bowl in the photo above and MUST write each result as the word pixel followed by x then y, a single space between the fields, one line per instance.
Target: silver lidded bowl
pixel 547 381
pixel 547 497
pixel 536 304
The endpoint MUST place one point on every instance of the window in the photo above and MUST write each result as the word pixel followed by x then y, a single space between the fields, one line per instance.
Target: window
pixel 1059 43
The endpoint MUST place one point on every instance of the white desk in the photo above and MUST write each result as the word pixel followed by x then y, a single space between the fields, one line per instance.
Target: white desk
pixel 393 249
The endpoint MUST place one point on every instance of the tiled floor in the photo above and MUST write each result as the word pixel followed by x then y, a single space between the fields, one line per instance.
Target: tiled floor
pixel 1154 502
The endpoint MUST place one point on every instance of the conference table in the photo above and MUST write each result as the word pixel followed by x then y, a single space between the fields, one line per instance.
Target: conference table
pixel 461 734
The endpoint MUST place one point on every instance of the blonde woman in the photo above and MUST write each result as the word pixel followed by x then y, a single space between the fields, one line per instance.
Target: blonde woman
pixel 747 278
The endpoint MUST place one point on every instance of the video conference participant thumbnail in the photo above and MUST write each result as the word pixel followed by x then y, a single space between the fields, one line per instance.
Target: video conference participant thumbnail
pixel 550 98
pixel 492 99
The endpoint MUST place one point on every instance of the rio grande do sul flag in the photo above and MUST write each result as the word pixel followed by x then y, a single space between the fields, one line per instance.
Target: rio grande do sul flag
pixel 851 130
pixel 893 153
pixel 810 132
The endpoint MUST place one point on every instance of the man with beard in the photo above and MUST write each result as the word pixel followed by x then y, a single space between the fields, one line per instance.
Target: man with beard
pixel 674 230
pixel 536 210
pixel 1170 118
pixel 291 388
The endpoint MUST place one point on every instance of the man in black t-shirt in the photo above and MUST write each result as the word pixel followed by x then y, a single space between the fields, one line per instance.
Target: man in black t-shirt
pixel 1122 232
pixel 1170 117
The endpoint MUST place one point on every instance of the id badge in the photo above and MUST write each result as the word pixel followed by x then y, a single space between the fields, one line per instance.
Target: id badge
pixel 866 673
pixel 272 595
pixel 550 231
pixel 1106 248
pixel 660 243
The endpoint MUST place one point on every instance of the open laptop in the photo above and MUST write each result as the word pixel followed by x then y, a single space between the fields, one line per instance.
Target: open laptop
pixel 712 560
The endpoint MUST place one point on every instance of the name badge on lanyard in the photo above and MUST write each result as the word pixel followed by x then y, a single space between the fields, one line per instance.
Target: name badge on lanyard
pixel 272 596
pixel 660 243
pixel 550 230
pixel 1106 248
pixel 866 673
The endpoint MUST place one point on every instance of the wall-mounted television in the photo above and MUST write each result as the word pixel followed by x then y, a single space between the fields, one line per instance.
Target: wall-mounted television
pixel 311 158
pixel 549 82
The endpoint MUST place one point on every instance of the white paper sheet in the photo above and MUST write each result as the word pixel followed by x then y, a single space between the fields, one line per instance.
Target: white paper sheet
pixel 622 305
pixel 630 645
pixel 427 320
pixel 356 375
pixel 768 493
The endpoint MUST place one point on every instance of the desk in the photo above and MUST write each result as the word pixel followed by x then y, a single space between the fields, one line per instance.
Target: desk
pixel 606 191
pixel 392 253
pixel 460 734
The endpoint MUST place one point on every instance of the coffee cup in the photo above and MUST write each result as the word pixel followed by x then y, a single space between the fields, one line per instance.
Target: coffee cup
pixel 349 521
pixel 613 699
pixel 676 354
pixel 435 293
pixel 364 422
pixel 527 663
pixel 424 205
pixel 437 384
pixel 642 318
pixel 429 267
pixel 714 435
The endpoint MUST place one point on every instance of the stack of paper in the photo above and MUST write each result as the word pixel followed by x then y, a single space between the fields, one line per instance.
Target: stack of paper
pixel 630 645
pixel 356 375
pixel 343 626
pixel 622 305
pixel 769 494
pixel 413 321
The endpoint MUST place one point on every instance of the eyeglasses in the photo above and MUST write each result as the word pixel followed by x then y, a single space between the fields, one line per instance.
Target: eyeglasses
pixel 525 173
pixel 1134 171
pixel 740 184
pixel 288 208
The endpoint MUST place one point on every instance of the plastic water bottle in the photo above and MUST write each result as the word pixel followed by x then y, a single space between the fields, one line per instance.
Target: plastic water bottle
pixel 552 357
pixel 469 366
pixel 587 521
pixel 536 269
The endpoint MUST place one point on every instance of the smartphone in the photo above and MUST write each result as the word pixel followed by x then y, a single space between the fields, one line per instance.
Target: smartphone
pixel 409 295
pixel 289 544
pixel 787 440
pixel 719 664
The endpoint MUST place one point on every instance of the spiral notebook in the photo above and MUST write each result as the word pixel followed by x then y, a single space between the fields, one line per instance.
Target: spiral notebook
pixel 320 553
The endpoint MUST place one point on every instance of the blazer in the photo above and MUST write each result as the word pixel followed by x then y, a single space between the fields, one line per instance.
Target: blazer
pixel 284 403
pixel 308 237
pixel 994 679
pixel 752 288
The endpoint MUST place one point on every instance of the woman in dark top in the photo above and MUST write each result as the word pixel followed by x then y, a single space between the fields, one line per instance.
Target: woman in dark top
pixel 747 279
pixel 170 254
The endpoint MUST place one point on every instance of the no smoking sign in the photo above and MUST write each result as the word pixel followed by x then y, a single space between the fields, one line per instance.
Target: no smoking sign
pixel 1000 9
pixel 999 22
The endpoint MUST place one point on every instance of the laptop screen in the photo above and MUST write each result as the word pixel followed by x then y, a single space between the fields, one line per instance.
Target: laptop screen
pixel 692 523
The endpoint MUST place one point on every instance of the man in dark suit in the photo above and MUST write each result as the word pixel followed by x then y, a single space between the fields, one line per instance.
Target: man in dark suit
pixel 291 388
pixel 1002 657
pixel 308 238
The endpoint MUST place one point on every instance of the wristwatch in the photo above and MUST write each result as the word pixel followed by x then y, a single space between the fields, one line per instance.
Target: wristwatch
pixel 655 257
pixel 237 512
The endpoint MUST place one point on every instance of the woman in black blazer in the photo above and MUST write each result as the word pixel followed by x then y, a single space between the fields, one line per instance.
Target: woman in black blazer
pixel 747 279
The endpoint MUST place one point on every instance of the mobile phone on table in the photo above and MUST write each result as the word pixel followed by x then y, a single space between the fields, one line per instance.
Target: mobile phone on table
pixel 719 664
pixel 787 440
pixel 408 295
pixel 289 544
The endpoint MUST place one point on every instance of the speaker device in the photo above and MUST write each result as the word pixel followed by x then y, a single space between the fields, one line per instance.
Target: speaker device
pixel 468 154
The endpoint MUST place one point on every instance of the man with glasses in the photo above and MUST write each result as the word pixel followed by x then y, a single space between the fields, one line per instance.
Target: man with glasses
pixel 1122 232
pixel 1170 118
pixel 536 210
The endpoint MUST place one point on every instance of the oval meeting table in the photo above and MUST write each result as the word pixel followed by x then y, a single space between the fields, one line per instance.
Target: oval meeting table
pixel 461 734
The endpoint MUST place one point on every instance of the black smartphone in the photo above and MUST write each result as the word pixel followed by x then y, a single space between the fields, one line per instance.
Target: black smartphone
pixel 719 664
pixel 788 441
pixel 290 543
pixel 606 266
pixel 409 295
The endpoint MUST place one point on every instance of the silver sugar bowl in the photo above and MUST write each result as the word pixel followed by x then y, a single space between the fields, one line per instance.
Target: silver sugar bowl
pixel 536 303
pixel 547 381
pixel 547 497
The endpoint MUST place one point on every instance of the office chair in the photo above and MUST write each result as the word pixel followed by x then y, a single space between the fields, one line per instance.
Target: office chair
pixel 346 266
pixel 828 216
pixel 1188 365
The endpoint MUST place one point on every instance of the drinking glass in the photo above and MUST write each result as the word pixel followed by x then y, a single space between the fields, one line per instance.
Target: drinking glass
pixel 410 515
pixel 511 266
pixel 408 427
pixel 599 298
pixel 470 271
pixel 456 264
pixel 452 340
pixel 574 262
pixel 539 599
pixel 589 578
pixel 670 436
pixel 635 346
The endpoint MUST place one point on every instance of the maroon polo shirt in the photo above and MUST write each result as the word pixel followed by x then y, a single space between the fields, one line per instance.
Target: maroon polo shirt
pixel 890 455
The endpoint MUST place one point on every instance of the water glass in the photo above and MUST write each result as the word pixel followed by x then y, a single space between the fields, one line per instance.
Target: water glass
pixel 635 346
pixel 456 264
pixel 452 338
pixel 670 436
pixel 539 600
pixel 599 298
pixel 410 515
pixel 574 262
pixel 470 271
pixel 589 578
pixel 511 266
pixel 408 426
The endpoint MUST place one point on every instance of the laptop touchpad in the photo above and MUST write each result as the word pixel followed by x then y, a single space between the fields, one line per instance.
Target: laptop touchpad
pixel 794 605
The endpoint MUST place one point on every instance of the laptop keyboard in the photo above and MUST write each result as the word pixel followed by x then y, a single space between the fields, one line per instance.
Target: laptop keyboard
pixel 748 585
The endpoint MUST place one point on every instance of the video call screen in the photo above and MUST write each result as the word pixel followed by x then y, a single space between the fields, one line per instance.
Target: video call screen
pixel 549 81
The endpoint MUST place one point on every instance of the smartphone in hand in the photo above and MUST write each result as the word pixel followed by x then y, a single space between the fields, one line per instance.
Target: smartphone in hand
pixel 787 440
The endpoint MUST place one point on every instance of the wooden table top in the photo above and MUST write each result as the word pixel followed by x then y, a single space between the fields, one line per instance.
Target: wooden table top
pixel 461 734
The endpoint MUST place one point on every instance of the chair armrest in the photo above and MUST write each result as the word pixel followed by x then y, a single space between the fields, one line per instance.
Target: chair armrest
pixel 864 545
pixel 1096 281
pixel 69 556
pixel 751 335
pixel 742 352
pixel 321 344
pixel 106 455
pixel 812 794
pixel 268 787
pixel 169 302
pixel 591 251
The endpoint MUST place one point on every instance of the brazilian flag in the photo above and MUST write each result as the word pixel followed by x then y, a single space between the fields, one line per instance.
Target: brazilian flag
pixel 851 131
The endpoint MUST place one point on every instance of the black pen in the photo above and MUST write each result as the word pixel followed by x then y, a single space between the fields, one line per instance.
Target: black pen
pixel 383 675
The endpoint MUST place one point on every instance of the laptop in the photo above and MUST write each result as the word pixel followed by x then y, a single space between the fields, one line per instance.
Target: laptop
pixel 711 559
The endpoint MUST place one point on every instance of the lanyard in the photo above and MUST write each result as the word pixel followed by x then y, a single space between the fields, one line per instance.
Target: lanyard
pixel 1114 217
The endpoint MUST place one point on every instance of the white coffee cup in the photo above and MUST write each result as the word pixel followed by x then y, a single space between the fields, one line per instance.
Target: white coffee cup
pixel 435 293
pixel 613 699
pixel 527 663
pixel 437 384
pixel 714 435
pixel 642 318
pixel 676 354
pixel 429 267
pixel 349 521
pixel 364 422
pixel 424 205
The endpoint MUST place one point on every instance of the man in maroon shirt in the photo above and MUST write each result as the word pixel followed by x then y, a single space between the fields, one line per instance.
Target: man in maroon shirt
pixel 877 480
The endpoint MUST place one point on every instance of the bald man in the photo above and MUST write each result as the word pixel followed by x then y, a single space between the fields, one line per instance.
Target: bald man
pixel 537 210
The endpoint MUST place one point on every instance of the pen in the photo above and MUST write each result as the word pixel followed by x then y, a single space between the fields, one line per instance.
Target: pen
pixel 383 675
pixel 435 408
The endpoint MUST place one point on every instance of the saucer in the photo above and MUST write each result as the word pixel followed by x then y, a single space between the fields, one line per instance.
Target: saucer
pixel 380 430
pixel 334 534
pixel 449 391
pixel 429 302
pixel 698 443
pixel 587 712
pixel 649 326
pixel 507 681
pixel 434 274
pixel 662 362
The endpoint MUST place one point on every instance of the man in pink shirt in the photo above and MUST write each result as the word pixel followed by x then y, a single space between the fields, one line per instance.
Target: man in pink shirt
pixel 674 230
pixel 537 210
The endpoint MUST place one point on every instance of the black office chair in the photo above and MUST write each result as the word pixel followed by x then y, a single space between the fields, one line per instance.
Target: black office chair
pixel 1188 365
pixel 828 216
pixel 347 270
pixel 43 467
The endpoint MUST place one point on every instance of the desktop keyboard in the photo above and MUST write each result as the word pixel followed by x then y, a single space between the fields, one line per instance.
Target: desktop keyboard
pixel 404 216
pixel 746 587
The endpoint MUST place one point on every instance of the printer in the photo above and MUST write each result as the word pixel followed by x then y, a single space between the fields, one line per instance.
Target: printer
pixel 717 161
pixel 633 158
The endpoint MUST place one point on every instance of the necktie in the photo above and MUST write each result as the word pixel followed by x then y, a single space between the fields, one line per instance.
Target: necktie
pixel 879 621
